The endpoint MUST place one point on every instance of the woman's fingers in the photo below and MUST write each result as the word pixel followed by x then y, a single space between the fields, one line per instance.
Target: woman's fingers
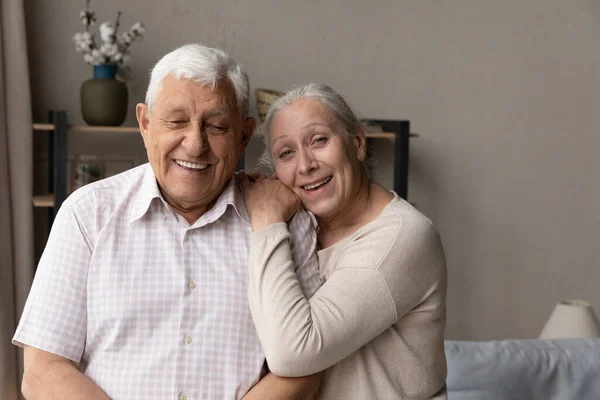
pixel 254 176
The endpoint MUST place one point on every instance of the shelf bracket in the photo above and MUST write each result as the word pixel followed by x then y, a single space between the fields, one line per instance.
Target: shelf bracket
pixel 58 148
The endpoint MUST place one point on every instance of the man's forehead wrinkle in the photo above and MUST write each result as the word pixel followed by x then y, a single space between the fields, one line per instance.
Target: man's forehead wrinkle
pixel 220 101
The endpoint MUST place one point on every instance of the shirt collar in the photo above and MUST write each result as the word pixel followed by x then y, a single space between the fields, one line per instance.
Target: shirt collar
pixel 148 191
pixel 231 195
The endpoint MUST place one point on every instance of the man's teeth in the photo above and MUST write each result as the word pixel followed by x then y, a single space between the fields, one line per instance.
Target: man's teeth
pixel 191 165
pixel 316 185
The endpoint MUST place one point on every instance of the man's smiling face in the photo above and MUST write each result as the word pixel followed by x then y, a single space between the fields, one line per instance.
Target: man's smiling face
pixel 194 136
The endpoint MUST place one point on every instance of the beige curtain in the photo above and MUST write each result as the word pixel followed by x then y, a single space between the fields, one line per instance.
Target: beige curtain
pixel 16 182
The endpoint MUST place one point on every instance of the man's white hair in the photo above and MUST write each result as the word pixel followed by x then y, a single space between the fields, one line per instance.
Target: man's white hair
pixel 200 64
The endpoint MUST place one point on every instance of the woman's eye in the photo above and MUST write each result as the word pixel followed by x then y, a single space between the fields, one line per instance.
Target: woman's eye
pixel 321 140
pixel 284 154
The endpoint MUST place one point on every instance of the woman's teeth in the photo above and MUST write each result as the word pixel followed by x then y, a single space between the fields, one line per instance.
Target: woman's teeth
pixel 191 165
pixel 317 185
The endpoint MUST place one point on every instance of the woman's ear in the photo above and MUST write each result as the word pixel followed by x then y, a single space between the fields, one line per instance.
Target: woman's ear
pixel 361 143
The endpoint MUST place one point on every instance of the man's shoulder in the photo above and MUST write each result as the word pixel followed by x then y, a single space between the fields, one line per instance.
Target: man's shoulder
pixel 302 223
pixel 97 201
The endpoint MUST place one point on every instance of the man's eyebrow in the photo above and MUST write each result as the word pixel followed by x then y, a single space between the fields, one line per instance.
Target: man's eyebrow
pixel 215 112
pixel 176 109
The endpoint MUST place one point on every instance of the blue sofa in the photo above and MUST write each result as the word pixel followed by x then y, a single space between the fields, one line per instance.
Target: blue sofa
pixel 566 369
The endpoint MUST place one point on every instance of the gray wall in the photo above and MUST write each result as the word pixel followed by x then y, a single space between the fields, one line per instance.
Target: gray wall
pixel 505 95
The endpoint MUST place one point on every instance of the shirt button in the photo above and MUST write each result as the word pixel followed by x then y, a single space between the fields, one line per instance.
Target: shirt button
pixel 188 340
pixel 182 397
pixel 218 222
pixel 192 285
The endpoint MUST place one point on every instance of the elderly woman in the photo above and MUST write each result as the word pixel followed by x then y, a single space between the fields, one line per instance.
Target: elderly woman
pixel 377 323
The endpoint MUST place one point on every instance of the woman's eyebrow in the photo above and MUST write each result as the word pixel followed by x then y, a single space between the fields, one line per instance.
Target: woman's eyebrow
pixel 277 138
pixel 316 124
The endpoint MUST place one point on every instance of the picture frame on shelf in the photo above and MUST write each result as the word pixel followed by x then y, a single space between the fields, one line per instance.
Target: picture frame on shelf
pixel 86 168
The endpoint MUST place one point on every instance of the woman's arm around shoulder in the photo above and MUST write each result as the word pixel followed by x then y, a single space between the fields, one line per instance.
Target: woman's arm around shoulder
pixel 359 300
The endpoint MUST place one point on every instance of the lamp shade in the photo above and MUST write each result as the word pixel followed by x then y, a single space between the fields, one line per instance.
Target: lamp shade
pixel 572 319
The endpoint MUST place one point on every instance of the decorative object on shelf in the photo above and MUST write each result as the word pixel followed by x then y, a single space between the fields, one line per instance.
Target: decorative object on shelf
pixel 104 98
pixel 264 100
pixel 572 319
pixel 87 168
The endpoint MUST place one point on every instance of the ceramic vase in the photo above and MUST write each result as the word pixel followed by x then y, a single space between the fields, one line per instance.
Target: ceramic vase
pixel 104 98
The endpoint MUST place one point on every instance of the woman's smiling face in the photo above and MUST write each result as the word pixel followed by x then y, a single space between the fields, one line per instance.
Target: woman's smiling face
pixel 315 157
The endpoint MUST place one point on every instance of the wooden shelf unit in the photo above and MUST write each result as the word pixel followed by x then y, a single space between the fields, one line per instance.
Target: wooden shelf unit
pixel 43 200
pixel 135 129
pixel 397 130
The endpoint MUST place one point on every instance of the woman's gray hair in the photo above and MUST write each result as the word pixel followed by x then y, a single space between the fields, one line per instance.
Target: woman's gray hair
pixel 332 101
pixel 200 64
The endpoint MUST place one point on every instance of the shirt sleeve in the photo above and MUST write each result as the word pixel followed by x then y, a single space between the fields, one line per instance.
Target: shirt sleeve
pixel 374 284
pixel 54 318
pixel 304 252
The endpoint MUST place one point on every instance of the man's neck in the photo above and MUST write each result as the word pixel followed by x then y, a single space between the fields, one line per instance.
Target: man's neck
pixel 190 214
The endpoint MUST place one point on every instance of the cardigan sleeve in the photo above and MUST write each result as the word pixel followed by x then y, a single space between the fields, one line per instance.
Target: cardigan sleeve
pixel 376 280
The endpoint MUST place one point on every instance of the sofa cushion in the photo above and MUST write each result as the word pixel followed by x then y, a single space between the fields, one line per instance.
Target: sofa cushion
pixel 523 369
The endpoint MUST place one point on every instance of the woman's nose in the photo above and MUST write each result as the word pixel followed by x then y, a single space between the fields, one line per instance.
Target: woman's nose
pixel 307 161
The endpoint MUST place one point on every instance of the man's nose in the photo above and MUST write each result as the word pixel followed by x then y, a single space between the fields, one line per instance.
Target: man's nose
pixel 306 161
pixel 195 141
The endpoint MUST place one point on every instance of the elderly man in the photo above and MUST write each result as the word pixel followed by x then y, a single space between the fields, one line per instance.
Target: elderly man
pixel 141 290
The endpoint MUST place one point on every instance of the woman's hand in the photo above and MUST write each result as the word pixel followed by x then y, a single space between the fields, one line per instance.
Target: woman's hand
pixel 268 201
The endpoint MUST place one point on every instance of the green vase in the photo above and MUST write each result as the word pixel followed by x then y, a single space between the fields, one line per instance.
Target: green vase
pixel 103 98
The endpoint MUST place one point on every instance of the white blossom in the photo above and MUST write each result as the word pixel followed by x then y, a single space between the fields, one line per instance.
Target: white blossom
pixel 125 39
pixel 83 41
pixel 109 50
pixel 94 57
pixel 87 18
pixel 122 59
pixel 107 32
pixel 137 30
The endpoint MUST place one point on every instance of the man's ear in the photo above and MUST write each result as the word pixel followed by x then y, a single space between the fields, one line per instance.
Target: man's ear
pixel 249 127
pixel 361 143
pixel 141 112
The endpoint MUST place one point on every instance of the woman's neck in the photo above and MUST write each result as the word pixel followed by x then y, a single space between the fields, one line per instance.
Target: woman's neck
pixel 354 214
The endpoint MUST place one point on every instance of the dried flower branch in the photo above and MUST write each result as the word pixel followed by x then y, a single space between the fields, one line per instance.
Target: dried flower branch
pixel 88 18
pixel 114 49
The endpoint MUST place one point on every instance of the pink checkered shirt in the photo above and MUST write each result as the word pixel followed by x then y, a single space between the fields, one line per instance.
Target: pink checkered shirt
pixel 152 307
